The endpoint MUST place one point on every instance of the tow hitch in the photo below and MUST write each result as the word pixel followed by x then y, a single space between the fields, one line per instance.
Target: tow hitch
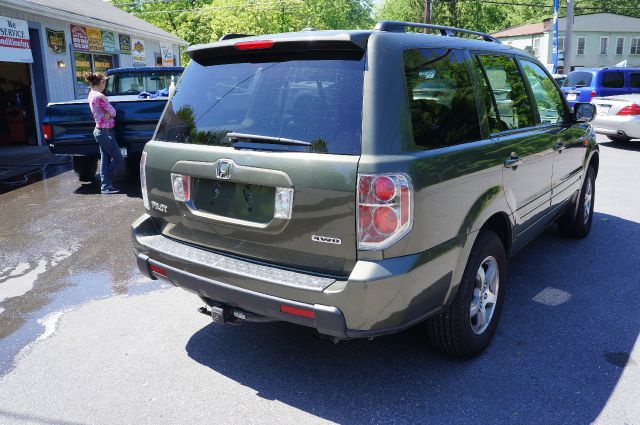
pixel 222 313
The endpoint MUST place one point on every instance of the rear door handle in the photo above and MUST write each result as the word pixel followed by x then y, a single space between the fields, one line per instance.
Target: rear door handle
pixel 513 161
pixel 559 147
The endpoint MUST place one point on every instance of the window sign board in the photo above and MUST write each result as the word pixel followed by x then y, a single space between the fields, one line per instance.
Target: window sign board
pixel 56 41
pixel 108 42
pixel 139 56
pixel 15 45
pixel 79 37
pixel 167 55
pixel 95 39
pixel 125 44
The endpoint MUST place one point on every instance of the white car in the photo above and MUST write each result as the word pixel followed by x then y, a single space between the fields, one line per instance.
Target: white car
pixel 618 117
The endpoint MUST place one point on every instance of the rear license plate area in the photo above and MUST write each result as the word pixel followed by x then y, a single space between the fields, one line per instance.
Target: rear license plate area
pixel 241 201
pixel 603 109
pixel 572 96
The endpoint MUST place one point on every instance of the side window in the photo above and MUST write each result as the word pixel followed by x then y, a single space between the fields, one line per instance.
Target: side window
pixel 547 97
pixel 441 98
pixel 509 92
pixel 634 80
pixel 495 125
pixel 613 80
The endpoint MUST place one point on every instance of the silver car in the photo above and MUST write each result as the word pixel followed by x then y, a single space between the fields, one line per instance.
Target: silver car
pixel 618 117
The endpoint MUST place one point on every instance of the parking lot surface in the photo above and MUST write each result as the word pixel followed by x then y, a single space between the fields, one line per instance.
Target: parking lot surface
pixel 86 339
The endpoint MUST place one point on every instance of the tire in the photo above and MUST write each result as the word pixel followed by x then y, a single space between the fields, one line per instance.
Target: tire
pixel 457 331
pixel 619 139
pixel 578 226
pixel 85 167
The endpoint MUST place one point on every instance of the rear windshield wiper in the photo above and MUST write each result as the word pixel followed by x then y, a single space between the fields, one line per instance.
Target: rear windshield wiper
pixel 235 137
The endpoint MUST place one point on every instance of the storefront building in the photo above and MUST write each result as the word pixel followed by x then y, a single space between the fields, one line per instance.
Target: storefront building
pixel 46 46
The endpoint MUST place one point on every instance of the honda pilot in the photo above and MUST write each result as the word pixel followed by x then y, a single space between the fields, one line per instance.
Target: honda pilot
pixel 361 182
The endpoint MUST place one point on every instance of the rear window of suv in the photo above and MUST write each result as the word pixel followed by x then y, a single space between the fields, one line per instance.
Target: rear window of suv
pixel 578 78
pixel 313 101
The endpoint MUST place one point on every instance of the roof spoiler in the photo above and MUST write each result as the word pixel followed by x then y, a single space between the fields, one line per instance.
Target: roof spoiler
pixel 270 47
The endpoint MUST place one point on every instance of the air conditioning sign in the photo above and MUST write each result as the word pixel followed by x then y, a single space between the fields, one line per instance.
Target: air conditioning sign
pixel 15 45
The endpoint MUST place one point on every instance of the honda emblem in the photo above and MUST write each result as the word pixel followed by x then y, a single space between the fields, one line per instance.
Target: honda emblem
pixel 223 169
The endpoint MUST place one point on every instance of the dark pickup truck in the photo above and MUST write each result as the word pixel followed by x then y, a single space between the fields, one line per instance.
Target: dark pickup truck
pixel 68 126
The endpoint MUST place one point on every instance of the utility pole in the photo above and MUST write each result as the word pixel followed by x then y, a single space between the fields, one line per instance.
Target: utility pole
pixel 568 36
pixel 426 18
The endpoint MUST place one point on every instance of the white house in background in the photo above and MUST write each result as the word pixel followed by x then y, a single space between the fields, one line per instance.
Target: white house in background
pixel 599 40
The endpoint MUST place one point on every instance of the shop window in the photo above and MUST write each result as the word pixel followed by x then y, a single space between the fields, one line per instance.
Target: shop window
pixel 89 62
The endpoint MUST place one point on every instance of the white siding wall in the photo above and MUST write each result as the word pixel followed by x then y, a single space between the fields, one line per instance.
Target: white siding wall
pixel 60 81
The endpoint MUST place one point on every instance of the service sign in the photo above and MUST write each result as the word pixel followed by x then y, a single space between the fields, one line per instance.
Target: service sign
pixel 79 37
pixel 139 57
pixel 56 41
pixel 125 44
pixel 95 39
pixel 108 42
pixel 167 54
pixel 15 45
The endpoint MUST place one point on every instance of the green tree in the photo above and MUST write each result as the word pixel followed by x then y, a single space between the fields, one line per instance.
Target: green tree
pixel 204 21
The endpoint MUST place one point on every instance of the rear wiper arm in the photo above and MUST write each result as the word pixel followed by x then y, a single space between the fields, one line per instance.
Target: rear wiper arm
pixel 235 137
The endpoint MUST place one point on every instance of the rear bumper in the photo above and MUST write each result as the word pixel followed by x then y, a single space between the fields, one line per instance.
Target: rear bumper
pixel 615 125
pixel 379 297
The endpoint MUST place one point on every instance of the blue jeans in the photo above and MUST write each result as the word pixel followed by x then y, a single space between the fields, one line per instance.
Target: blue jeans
pixel 110 156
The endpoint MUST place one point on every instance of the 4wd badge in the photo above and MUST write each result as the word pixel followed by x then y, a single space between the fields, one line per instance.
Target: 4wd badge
pixel 326 239
pixel 223 169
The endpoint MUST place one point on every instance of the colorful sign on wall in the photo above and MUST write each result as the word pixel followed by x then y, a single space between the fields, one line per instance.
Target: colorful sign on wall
pixel 125 44
pixel 15 45
pixel 139 56
pixel 95 39
pixel 56 41
pixel 79 37
pixel 167 55
pixel 108 42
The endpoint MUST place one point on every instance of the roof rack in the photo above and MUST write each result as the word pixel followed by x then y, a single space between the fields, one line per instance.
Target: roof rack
pixel 399 26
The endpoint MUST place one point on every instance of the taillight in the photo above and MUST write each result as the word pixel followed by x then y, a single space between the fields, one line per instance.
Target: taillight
pixel 593 93
pixel 385 210
pixel 253 45
pixel 143 180
pixel 47 131
pixel 632 109
pixel 181 187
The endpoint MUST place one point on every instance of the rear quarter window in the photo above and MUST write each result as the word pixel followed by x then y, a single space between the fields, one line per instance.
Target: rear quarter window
pixel 634 80
pixel 613 80
pixel 441 98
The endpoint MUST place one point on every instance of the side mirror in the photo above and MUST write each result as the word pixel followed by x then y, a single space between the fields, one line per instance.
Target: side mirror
pixel 584 112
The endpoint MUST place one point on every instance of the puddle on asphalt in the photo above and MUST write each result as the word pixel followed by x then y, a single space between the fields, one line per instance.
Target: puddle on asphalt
pixel 77 289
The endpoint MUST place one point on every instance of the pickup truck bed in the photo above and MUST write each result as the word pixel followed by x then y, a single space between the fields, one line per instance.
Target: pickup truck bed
pixel 72 124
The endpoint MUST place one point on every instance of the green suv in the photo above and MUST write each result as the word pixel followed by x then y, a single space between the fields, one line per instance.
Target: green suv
pixel 361 182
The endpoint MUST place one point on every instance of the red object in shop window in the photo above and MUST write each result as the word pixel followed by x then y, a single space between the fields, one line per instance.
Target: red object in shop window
pixel 18 126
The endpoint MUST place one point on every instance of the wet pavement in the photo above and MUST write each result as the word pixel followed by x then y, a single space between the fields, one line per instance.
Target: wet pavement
pixel 61 245
pixel 105 345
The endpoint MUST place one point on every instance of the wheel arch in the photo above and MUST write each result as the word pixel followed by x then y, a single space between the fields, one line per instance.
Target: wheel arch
pixel 500 224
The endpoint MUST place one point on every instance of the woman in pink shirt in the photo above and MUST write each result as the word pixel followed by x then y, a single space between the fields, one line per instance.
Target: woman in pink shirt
pixel 103 114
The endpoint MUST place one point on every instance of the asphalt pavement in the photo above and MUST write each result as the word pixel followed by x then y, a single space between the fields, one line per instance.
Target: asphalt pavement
pixel 86 339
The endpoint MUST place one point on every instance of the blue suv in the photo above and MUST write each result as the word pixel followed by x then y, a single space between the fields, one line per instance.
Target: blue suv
pixel 584 84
